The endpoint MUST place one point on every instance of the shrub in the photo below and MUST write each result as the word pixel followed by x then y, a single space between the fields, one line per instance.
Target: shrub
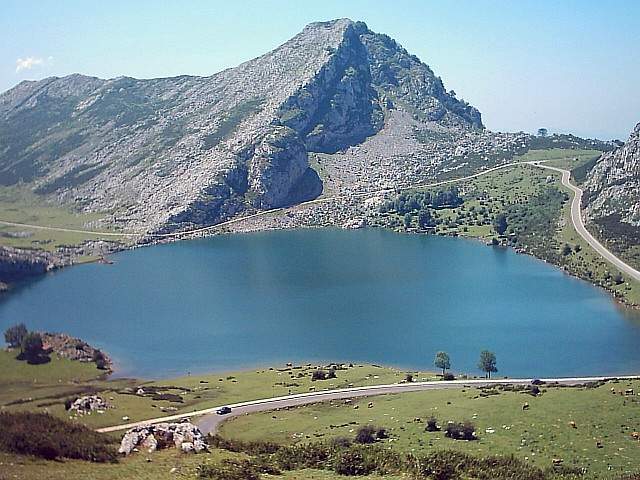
pixel 460 431
pixel 311 455
pixel 408 378
pixel 432 425
pixel 256 447
pixel 341 442
pixel 44 436
pixel 366 434
pixel 448 376
pixel 229 470
pixel 352 463
pixel 32 350
pixel 318 375
pixel 100 360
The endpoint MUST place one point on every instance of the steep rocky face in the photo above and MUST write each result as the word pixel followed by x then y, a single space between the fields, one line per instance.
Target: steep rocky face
pixel 172 153
pixel 16 264
pixel 613 185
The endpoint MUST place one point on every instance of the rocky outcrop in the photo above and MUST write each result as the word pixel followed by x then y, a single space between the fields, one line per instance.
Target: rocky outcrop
pixel 170 154
pixel 88 404
pixel 184 436
pixel 612 187
pixel 16 264
pixel 75 349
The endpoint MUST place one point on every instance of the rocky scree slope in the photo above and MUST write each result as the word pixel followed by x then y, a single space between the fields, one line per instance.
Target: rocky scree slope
pixel 173 153
pixel 612 187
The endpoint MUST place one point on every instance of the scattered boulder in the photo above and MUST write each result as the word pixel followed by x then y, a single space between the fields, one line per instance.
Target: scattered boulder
pixel 87 404
pixel 183 435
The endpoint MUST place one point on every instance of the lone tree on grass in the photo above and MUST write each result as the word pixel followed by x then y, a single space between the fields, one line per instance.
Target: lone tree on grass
pixel 14 335
pixel 500 223
pixel 487 362
pixel 442 362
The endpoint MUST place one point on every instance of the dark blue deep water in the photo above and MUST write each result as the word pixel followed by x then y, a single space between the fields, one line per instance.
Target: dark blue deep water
pixel 238 301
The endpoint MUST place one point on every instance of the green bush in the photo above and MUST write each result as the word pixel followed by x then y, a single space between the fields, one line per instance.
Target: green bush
pixel 352 463
pixel 460 431
pixel 47 437
pixel 252 448
pixel 366 434
pixel 229 470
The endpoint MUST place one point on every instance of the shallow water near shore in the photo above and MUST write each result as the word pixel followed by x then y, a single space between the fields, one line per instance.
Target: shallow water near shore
pixel 239 301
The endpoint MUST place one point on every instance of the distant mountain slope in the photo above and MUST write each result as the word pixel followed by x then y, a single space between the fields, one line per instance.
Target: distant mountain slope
pixel 171 153
pixel 613 185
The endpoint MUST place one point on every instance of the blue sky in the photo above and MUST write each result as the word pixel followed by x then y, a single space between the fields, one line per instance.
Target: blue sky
pixel 570 66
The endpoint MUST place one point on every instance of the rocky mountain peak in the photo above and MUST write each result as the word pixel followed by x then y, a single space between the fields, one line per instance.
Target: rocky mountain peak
pixel 170 153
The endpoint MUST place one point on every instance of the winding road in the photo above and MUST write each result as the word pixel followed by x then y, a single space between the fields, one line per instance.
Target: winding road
pixel 578 224
pixel 211 420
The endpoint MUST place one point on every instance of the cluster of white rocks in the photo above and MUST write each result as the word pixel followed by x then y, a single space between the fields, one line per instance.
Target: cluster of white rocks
pixel 183 435
pixel 87 404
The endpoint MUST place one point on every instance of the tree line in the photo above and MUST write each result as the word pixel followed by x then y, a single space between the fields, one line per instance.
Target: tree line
pixel 419 201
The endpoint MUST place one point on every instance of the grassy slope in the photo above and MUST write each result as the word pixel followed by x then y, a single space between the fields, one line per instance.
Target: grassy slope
pixel 47 386
pixel 539 434
pixel 21 206
pixel 50 384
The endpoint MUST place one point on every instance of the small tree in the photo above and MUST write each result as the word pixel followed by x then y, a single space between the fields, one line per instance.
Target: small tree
pixel 487 362
pixel 407 220
pixel 32 349
pixel 500 223
pixel 542 132
pixel 425 219
pixel 14 335
pixel 442 361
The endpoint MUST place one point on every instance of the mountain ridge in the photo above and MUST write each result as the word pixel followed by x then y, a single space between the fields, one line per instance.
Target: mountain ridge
pixel 169 153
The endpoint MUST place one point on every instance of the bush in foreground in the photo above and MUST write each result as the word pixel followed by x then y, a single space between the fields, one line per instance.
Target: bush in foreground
pixel 354 460
pixel 47 437
pixel 461 431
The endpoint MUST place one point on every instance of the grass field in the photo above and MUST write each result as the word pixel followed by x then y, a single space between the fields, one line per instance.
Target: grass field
pixel 45 387
pixel 540 433
pixel 39 387
pixel 601 442
pixel 21 206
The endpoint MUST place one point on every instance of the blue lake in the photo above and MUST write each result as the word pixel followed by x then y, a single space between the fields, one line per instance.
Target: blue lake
pixel 238 301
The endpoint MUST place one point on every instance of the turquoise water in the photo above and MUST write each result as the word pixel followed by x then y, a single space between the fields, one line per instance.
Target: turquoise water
pixel 240 301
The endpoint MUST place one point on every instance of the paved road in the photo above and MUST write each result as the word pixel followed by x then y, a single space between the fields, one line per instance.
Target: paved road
pixel 576 218
pixel 210 420
pixel 263 212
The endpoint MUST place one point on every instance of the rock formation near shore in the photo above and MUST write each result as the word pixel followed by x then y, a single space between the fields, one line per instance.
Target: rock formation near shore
pixel 174 153
pixel 16 264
